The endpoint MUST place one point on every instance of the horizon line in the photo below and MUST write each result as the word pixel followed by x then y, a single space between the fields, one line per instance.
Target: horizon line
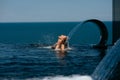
pixel 49 21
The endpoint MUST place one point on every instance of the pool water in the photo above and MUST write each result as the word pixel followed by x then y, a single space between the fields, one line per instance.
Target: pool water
pixel 25 61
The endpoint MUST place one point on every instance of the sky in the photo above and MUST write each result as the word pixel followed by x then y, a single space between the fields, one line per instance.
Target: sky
pixel 54 10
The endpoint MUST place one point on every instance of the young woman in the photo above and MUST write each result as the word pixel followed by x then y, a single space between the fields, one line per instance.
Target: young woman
pixel 61 43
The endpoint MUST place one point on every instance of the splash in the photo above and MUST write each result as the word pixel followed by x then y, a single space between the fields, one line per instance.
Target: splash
pixel 73 77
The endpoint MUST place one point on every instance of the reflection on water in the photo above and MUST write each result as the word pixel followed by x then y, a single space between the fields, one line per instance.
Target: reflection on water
pixel 61 55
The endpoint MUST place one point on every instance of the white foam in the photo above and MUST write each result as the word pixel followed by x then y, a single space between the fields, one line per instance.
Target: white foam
pixel 65 49
pixel 73 77
pixel 49 47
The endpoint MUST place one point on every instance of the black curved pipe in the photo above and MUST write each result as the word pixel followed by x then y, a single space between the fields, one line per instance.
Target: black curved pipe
pixel 103 31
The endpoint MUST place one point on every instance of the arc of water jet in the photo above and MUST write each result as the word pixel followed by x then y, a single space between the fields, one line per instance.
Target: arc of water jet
pixel 73 30
pixel 102 28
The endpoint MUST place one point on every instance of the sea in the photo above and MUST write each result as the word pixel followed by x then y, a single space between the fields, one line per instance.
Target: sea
pixel 26 54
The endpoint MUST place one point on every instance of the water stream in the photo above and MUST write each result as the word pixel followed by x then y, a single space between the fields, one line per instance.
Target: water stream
pixel 106 67
pixel 74 30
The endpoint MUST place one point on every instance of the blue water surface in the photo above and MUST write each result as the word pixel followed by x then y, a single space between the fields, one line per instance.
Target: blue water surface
pixel 20 60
